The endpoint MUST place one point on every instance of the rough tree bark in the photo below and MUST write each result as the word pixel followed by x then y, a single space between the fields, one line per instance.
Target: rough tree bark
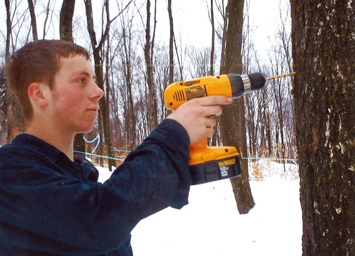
pixel 232 121
pixel 324 91
pixel 66 20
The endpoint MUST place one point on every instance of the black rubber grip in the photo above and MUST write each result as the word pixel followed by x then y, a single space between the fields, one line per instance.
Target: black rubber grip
pixel 257 81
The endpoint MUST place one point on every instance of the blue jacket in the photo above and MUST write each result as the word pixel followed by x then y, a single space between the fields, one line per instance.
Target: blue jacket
pixel 50 205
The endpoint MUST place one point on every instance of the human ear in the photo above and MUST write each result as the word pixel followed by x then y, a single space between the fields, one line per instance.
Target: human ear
pixel 37 94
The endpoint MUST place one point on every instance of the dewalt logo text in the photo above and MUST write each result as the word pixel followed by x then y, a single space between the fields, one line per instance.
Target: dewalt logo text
pixel 227 162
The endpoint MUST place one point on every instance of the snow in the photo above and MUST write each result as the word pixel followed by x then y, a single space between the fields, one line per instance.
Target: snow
pixel 210 224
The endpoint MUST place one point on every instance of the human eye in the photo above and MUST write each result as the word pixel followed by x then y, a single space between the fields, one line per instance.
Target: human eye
pixel 81 80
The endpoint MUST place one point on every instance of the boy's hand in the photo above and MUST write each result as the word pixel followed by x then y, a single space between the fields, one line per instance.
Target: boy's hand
pixel 197 116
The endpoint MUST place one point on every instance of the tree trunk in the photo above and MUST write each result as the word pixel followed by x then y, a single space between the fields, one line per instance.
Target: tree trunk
pixel 212 41
pixel 6 96
pixel 33 20
pixel 148 54
pixel 8 29
pixel 223 12
pixel 98 60
pixel 267 125
pixel 3 107
pixel 129 113
pixel 213 140
pixel 171 44
pixel 66 20
pixel 48 10
pixel 324 54
pixel 232 121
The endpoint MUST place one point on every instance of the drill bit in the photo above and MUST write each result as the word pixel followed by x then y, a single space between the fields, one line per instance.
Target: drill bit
pixel 279 76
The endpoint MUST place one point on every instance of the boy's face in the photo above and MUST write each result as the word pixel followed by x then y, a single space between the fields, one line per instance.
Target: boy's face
pixel 74 98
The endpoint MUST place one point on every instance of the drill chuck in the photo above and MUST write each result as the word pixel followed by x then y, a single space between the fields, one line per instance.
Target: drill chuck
pixel 243 84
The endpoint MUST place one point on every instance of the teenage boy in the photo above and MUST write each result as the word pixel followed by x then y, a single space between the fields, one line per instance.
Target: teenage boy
pixel 50 200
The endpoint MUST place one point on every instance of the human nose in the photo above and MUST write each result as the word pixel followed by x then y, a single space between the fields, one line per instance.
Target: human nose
pixel 98 93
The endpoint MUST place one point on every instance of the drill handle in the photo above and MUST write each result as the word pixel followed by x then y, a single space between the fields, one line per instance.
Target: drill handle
pixel 197 151
pixel 202 144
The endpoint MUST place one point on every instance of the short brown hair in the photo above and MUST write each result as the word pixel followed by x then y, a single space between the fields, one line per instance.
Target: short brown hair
pixel 37 61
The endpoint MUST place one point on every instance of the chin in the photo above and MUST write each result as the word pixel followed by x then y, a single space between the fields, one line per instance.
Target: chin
pixel 85 129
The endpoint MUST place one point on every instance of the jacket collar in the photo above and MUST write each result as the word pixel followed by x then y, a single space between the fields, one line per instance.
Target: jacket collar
pixel 36 144
pixel 89 172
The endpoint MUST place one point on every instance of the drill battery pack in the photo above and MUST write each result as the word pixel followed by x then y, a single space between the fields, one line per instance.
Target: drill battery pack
pixel 215 170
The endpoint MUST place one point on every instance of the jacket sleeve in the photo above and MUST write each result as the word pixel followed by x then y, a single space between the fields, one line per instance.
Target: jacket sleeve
pixel 42 209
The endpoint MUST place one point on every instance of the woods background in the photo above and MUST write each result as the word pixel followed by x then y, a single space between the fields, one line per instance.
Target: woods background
pixel 138 49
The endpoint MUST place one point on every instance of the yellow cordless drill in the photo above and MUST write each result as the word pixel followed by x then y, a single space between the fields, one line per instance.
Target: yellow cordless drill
pixel 212 163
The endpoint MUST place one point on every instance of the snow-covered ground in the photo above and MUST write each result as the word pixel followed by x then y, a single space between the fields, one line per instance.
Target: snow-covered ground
pixel 211 225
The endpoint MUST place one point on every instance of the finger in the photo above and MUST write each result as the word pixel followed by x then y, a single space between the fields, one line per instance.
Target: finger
pixel 209 131
pixel 210 122
pixel 211 111
pixel 215 100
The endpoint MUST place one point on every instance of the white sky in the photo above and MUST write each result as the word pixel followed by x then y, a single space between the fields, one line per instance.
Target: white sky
pixel 192 24
pixel 192 17
pixel 191 20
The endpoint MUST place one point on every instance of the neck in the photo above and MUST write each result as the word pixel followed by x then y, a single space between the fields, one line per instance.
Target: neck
pixel 55 137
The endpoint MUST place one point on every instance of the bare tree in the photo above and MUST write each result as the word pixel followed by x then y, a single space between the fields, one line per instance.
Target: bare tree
pixel 148 54
pixel 33 20
pixel 198 59
pixel 161 79
pixel 171 43
pixel 8 28
pixel 127 89
pixel 14 122
pixel 281 63
pixel 221 32
pixel 212 56
pixel 232 122
pixel 112 72
pixel 255 104
pixel 5 131
pixel 3 107
pixel 66 20
pixel 48 12
pixel 99 71
pixel 323 54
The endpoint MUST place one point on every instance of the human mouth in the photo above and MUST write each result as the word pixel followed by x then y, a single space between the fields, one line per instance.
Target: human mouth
pixel 93 109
